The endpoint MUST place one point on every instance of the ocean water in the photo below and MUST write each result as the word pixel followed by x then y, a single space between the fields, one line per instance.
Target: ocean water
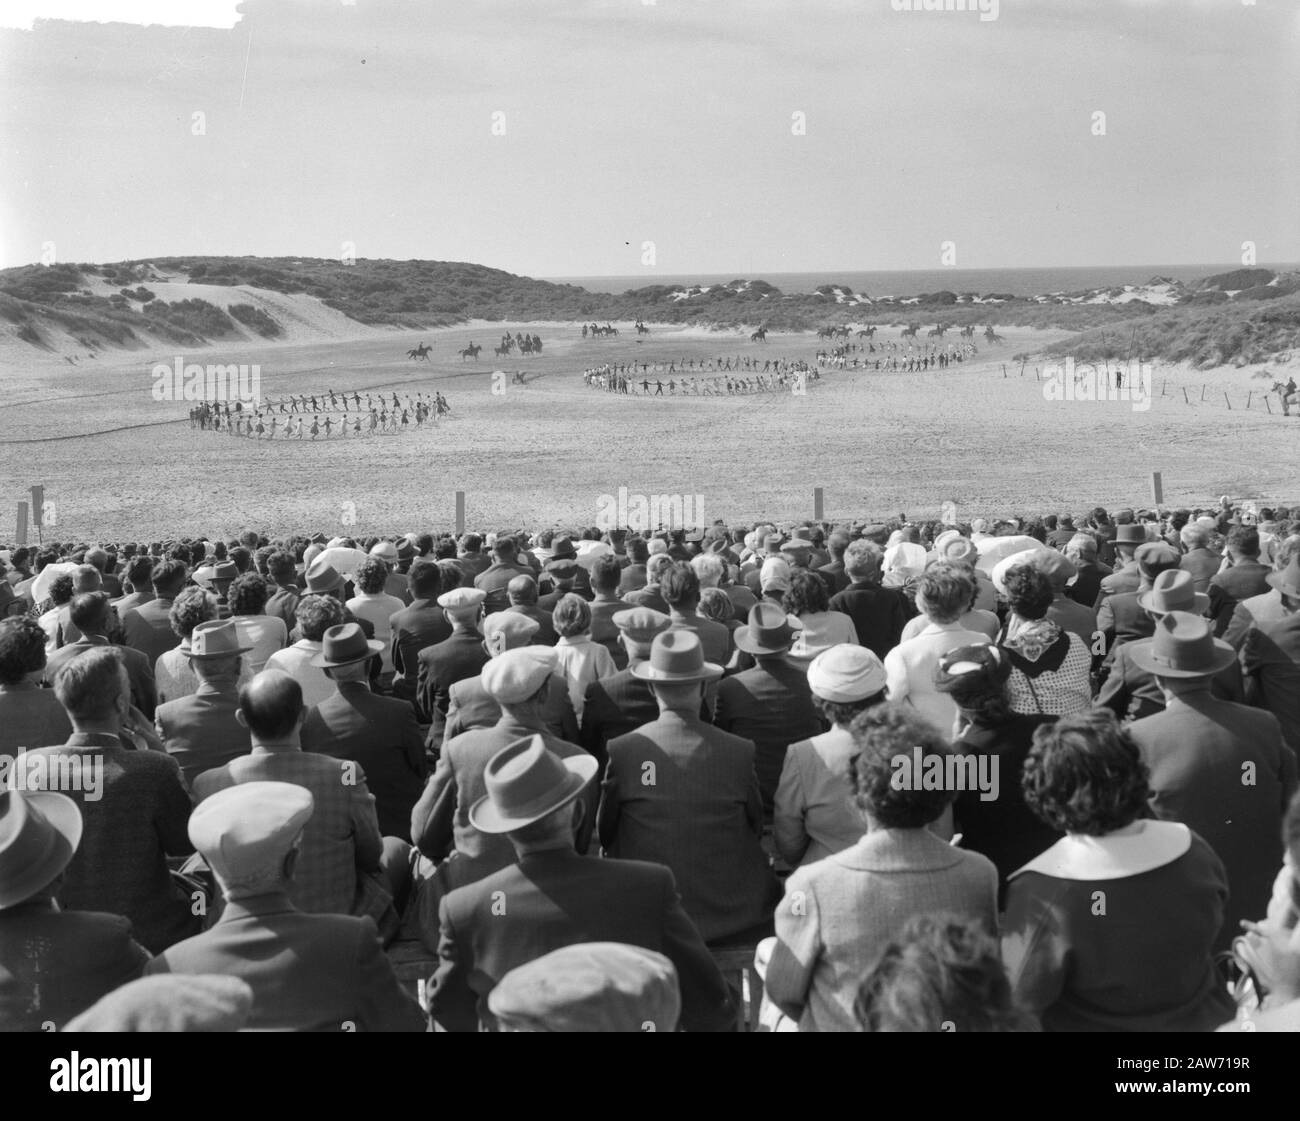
pixel 1015 282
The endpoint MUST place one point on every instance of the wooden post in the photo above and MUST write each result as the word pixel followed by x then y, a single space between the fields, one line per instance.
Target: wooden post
pixel 1022 366
pixel 1163 383
pixel 1248 397
pixel 460 512
pixel 1157 489
pixel 1185 400
pixel 1202 391
pixel 817 504
pixel 1004 369
pixel 38 510
pixel 21 536
pixel 1267 405
pixel 1225 397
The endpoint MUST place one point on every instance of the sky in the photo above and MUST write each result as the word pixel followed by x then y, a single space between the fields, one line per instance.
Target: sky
pixel 559 137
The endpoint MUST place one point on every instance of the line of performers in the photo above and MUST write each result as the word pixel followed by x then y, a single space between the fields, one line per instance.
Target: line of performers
pixel 360 416
pixel 623 379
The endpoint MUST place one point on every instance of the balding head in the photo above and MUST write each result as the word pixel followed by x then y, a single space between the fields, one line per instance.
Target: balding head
pixel 522 590
pixel 270 707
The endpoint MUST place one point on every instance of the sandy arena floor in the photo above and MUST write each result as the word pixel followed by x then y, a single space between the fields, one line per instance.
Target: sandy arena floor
pixel 116 464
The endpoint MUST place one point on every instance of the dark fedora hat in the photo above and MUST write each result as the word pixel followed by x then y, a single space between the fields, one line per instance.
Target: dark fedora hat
pixel 345 644
pixel 676 656
pixel 1130 534
pixel 1183 646
pixel 768 631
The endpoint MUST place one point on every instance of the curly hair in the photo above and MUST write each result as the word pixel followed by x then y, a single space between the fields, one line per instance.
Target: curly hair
pixel 191 607
pixel 281 566
pixel 371 575
pixel 947 591
pixel 22 648
pixel 572 616
pixel 716 604
pixel 61 589
pixel 943 973
pixel 807 594
pixel 1084 775
pixel 248 594
pixel 1028 591
pixel 885 736
pixel 315 614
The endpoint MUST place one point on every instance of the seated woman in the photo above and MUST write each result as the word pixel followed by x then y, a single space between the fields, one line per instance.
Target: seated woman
pixel 820 628
pixel 1112 928
pixel 264 633
pixel 1003 828
pixel 839 914
pixel 815 815
pixel 941 974
pixel 1049 666
pixel 172 672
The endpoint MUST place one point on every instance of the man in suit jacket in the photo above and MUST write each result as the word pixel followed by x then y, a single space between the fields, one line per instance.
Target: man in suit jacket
pixel 605 575
pixel 133 803
pixel 148 627
pixel 307 972
pixel 494 579
pixel 771 704
pixel 1125 577
pixel 879 614
pixel 1221 769
pixel 346 867
pixel 54 964
pixel 1198 559
pixel 1081 551
pixel 470 555
pixel 1123 616
pixel 677 788
pixel 833 573
pixel 138 578
pixel 454 659
pixel 1245 577
pixel 283 600
pixel 1270 655
pixel 378 733
pixel 91 614
pixel 472 706
pixel 518 681
pixel 416 627
pixel 558 898
pixel 680 588
pixel 201 731
pixel 650 596
pixel 522 592
pixel 623 702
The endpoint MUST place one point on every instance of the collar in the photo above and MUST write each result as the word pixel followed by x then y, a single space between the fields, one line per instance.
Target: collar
pixel 307 644
pixel 93 739
pixel 1115 856
pixel 276 749
pixel 251 906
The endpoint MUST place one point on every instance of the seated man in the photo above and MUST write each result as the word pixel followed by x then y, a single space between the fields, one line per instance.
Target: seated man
pixel 557 898
pixel 54 964
pixel 378 733
pixel 92 615
pixel 201 731
pixel 134 805
pixel 307 972
pixel 346 868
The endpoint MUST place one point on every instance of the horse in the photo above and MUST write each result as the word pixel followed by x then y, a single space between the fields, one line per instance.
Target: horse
pixel 1287 399
pixel 992 335
pixel 867 333
pixel 937 331
pixel 759 336
pixel 470 351
pixel 641 328
pixel 421 352
pixel 501 351
pixel 910 331
pixel 968 332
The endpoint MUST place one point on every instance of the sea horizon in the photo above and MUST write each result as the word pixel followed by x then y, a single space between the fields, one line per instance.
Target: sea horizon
pixel 914 282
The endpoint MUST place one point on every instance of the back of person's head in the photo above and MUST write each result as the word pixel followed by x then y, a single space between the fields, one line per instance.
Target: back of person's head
pixel 1193 536
pixel 191 607
pixel 505 548
pixel 638 551
pixel 806 595
pixel 241 557
pixel 315 615
pixel 425 579
pixel 679 586
pixel 572 616
pixel 862 560
pixel 943 973
pixel 93 685
pixel 836 543
pixel 946 591
pixel 656 566
pixel 248 594
pixel 89 612
pixel 139 572
pixel 883 735
pixel 87 578
pixel 370 576
pixel 22 648
pixel 710 569
pixel 281 567
pixel 1028 591
pixel 522 590
pixel 61 589
pixel 271 704
pixel 605 574
pixel 715 604
pixel 97 558
pixel 169 577
pixel 1243 540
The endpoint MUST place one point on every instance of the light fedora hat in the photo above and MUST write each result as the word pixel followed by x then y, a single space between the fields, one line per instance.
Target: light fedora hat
pixel 345 644
pixel 39 833
pixel 1288 580
pixel 216 638
pixel 526 781
pixel 676 656
pixel 1174 590
pixel 1183 646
